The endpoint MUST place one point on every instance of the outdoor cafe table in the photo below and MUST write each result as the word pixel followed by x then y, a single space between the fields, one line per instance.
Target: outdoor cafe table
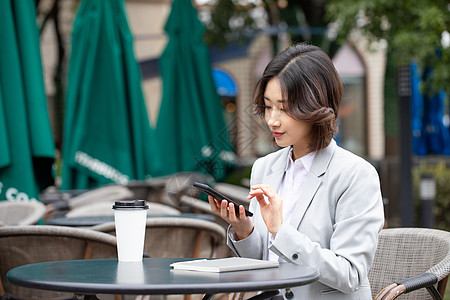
pixel 153 276
pixel 88 221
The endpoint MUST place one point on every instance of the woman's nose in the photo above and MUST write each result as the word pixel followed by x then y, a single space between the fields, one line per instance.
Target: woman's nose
pixel 273 120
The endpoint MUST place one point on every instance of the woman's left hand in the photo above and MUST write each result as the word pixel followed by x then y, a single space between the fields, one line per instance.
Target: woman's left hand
pixel 272 209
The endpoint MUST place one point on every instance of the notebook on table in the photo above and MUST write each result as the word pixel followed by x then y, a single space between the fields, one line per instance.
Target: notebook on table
pixel 224 264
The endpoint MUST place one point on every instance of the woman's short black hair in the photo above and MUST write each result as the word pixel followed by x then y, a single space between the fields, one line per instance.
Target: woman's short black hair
pixel 311 87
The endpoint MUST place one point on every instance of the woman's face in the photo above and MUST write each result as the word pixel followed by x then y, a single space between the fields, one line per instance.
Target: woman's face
pixel 286 130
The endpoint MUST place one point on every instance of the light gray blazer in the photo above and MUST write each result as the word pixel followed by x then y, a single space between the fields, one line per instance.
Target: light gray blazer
pixel 334 227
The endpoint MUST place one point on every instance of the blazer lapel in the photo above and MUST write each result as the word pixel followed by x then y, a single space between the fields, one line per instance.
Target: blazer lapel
pixel 312 182
pixel 277 171
pixel 274 180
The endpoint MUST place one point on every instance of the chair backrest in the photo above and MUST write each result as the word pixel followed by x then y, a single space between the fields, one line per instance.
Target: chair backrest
pixel 107 193
pixel 196 205
pixel 182 182
pixel 105 209
pixel 20 245
pixel 21 212
pixel 149 189
pixel 155 208
pixel 178 236
pixel 406 252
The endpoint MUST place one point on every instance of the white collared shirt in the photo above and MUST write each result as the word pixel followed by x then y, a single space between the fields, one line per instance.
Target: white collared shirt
pixel 291 187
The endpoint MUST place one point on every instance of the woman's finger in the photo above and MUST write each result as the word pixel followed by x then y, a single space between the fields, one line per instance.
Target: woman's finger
pixel 232 213
pixel 214 204
pixel 268 190
pixel 254 193
pixel 224 209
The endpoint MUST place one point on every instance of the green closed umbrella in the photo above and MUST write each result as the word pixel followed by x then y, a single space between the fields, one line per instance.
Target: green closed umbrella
pixel 191 126
pixel 26 143
pixel 107 134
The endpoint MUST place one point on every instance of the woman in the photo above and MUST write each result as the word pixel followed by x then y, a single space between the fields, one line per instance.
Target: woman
pixel 314 203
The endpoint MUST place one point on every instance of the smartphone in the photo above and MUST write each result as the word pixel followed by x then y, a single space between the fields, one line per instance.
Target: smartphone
pixel 219 196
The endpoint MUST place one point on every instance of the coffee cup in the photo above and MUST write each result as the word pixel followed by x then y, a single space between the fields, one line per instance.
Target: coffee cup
pixel 130 217
pixel 130 273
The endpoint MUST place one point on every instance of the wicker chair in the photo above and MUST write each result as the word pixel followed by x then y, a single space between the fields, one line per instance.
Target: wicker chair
pixel 107 193
pixel 196 205
pixel 20 245
pixel 178 236
pixel 181 184
pixel 408 260
pixel 21 212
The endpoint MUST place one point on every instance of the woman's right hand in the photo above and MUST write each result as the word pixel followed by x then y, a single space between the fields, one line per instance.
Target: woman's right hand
pixel 243 225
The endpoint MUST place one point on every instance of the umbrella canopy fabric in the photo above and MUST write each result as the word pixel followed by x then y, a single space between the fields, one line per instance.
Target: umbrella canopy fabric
pixel 191 126
pixel 27 148
pixel 107 134
pixel 438 136
pixel 419 146
pixel 430 134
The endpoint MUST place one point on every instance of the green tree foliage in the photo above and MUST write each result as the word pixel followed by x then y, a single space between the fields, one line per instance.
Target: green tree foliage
pixel 234 21
pixel 229 22
pixel 413 29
